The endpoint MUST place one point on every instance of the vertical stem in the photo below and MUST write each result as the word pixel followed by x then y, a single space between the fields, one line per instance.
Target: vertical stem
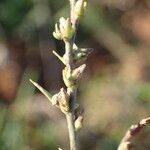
pixel 72 91
pixel 68 53
pixel 71 129
pixel 73 96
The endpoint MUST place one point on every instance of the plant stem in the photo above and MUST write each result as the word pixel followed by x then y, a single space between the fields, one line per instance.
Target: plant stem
pixel 126 143
pixel 71 129
pixel 72 93
pixel 68 53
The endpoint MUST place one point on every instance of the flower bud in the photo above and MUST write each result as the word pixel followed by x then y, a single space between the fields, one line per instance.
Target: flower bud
pixel 65 29
pixel 67 77
pixel 80 54
pixel 71 79
pixel 77 73
pixel 79 8
pixel 69 28
pixel 55 99
pixel 87 51
pixel 78 123
pixel 61 100
pixel 64 100
pixel 62 25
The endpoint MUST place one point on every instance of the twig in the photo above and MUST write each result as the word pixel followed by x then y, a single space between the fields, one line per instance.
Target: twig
pixel 72 133
pixel 126 143
pixel 72 93
pixel 65 99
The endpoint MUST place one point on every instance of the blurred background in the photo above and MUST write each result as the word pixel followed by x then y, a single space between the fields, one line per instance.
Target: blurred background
pixel 115 89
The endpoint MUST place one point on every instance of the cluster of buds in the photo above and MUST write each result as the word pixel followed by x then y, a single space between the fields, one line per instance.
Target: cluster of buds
pixel 65 29
pixel 71 79
pixel 61 100
pixel 79 8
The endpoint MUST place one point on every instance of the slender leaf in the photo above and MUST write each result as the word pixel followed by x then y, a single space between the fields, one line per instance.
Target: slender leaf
pixel 45 92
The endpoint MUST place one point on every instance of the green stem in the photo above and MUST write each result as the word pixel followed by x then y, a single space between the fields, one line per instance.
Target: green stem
pixel 68 53
pixel 71 129
pixel 71 91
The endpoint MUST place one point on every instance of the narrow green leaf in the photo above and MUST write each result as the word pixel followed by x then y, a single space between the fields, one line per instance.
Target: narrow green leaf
pixel 59 57
pixel 46 93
